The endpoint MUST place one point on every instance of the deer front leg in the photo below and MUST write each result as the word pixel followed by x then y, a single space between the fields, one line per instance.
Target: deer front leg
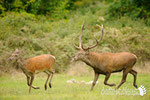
pixel 28 80
pixel 106 79
pixel 32 78
pixel 94 82
pixel 28 83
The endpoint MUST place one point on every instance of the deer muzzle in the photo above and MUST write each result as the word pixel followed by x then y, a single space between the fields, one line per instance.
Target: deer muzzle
pixel 9 59
pixel 74 59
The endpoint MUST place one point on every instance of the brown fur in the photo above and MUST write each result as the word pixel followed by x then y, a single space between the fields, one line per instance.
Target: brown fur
pixel 106 63
pixel 42 63
pixel 111 62
pixel 39 63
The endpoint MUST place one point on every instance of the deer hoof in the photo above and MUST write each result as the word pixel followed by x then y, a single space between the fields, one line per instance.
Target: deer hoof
pixel 45 87
pixel 50 85
pixel 116 88
pixel 113 84
pixel 91 90
pixel 37 88
pixel 135 86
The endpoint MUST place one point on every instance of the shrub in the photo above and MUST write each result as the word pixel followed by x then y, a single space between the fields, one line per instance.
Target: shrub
pixel 133 8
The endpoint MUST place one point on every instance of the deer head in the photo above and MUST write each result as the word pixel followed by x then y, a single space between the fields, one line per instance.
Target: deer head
pixel 83 52
pixel 14 58
pixel 14 55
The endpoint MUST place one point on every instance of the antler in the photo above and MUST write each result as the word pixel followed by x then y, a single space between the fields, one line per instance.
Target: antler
pixel 75 44
pixel 97 41
pixel 80 40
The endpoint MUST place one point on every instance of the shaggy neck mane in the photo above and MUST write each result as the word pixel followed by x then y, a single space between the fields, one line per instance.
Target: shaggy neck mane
pixel 90 59
pixel 21 63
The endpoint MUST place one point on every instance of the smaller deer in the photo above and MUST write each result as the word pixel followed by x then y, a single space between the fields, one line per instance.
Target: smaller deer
pixel 42 63
pixel 106 63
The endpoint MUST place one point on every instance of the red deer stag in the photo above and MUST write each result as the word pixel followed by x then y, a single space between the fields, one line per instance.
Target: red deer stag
pixel 106 63
pixel 42 63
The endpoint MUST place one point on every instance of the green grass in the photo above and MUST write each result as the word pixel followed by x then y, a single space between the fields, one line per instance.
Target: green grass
pixel 15 88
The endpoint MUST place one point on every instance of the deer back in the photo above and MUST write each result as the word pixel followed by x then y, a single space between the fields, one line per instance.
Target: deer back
pixel 39 63
pixel 109 62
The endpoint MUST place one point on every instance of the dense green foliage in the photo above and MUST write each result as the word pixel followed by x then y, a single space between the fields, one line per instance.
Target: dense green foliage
pixel 54 8
pixel 51 30
pixel 132 8
pixel 57 8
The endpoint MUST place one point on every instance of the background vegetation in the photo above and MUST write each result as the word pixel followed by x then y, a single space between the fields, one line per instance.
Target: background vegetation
pixel 49 26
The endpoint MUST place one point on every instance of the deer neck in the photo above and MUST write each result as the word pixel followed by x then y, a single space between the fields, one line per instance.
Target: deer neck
pixel 21 65
pixel 87 59
pixel 90 59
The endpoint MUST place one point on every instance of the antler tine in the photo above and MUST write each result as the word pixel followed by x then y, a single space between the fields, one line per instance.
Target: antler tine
pixel 80 40
pixel 75 44
pixel 97 41
pixel 102 32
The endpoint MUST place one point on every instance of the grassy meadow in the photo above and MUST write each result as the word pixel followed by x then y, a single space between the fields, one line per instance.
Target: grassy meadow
pixel 15 88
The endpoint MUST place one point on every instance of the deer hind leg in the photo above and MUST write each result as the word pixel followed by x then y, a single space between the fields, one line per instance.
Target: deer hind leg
pixel 47 79
pixel 52 73
pixel 125 73
pixel 28 83
pixel 134 73
pixel 94 82
pixel 106 79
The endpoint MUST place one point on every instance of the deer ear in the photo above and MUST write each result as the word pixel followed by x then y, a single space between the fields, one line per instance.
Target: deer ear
pixel 17 51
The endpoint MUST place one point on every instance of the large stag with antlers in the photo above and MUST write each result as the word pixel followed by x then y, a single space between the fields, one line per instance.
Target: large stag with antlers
pixel 42 63
pixel 106 63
